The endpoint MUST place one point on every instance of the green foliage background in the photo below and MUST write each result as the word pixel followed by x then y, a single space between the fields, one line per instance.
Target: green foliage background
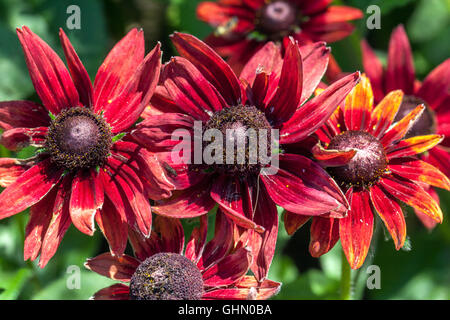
pixel 422 272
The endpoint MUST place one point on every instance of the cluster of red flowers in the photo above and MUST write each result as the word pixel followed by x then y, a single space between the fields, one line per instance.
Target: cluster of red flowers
pixel 104 152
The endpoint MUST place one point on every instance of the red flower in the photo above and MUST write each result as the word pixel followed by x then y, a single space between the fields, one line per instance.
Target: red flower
pixel 200 86
pixel 244 26
pixel 433 92
pixel 160 270
pixel 82 171
pixel 381 171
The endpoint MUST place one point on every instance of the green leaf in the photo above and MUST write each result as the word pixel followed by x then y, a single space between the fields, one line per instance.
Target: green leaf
pixel 13 283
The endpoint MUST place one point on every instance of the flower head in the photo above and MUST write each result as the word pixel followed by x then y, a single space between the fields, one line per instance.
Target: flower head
pixel 200 90
pixel 433 93
pixel 243 27
pixel 368 155
pixel 163 270
pixel 83 170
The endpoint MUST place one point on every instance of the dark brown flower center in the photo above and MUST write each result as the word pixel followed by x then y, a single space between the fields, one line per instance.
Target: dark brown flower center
pixel 166 276
pixel 241 140
pixel 77 139
pixel 425 125
pixel 277 18
pixel 368 164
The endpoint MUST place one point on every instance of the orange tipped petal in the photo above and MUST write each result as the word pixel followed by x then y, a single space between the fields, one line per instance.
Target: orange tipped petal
pixel 414 145
pixel 332 158
pixel 358 105
pixel 384 113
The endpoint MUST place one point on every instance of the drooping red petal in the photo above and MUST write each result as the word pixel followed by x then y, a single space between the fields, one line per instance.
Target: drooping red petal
pixel 29 188
pixel 117 291
pixel 293 222
pixel 77 71
pixel 116 268
pixel 332 158
pixel 324 235
pixel 22 114
pixel 313 114
pixel 211 65
pixel 355 230
pixel 189 203
pixel 400 72
pixel 18 138
pixel 114 227
pixel 118 67
pixel 40 216
pixel 48 73
pixel 391 213
pixel 86 198
pixel 229 270
pixel 413 195
pixel 303 187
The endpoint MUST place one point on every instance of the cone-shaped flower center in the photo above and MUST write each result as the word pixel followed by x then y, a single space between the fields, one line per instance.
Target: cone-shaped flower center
pixel 241 136
pixel 166 276
pixel 425 125
pixel 277 17
pixel 77 138
pixel 368 164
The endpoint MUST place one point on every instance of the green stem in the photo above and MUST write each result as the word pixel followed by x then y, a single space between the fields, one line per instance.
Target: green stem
pixel 346 279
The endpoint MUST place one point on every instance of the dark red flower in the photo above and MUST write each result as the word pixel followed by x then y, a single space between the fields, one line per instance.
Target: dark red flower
pixel 83 171
pixel 366 153
pixel 433 92
pixel 244 26
pixel 200 86
pixel 162 270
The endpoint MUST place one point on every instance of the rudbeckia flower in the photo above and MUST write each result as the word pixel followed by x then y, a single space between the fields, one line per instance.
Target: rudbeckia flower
pixel 162 270
pixel 200 87
pixel 244 26
pixel 433 93
pixel 368 155
pixel 82 171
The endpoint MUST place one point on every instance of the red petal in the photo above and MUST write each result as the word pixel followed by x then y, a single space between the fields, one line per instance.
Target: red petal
pixel 248 288
pixel 267 59
pixel 213 68
pixel 324 235
pixel 18 138
pixel 22 114
pixel 120 269
pixel 303 187
pixel 293 222
pixel 355 230
pixel 86 199
pixel 358 106
pixel 435 87
pixel 400 72
pixel 384 113
pixel 332 158
pixel 413 146
pixel 10 170
pixel 48 73
pixel 373 69
pixel 313 114
pixel 391 213
pixel 196 244
pixel 78 72
pixel 118 67
pixel 117 291
pixel 127 107
pixel 171 234
pixel 29 188
pixel 114 227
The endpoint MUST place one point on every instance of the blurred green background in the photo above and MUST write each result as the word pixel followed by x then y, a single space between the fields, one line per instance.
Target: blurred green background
pixel 420 272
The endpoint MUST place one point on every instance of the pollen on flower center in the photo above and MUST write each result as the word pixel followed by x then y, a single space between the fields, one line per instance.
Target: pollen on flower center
pixel 368 164
pixel 245 134
pixel 77 138
pixel 426 124
pixel 166 276
pixel 276 17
